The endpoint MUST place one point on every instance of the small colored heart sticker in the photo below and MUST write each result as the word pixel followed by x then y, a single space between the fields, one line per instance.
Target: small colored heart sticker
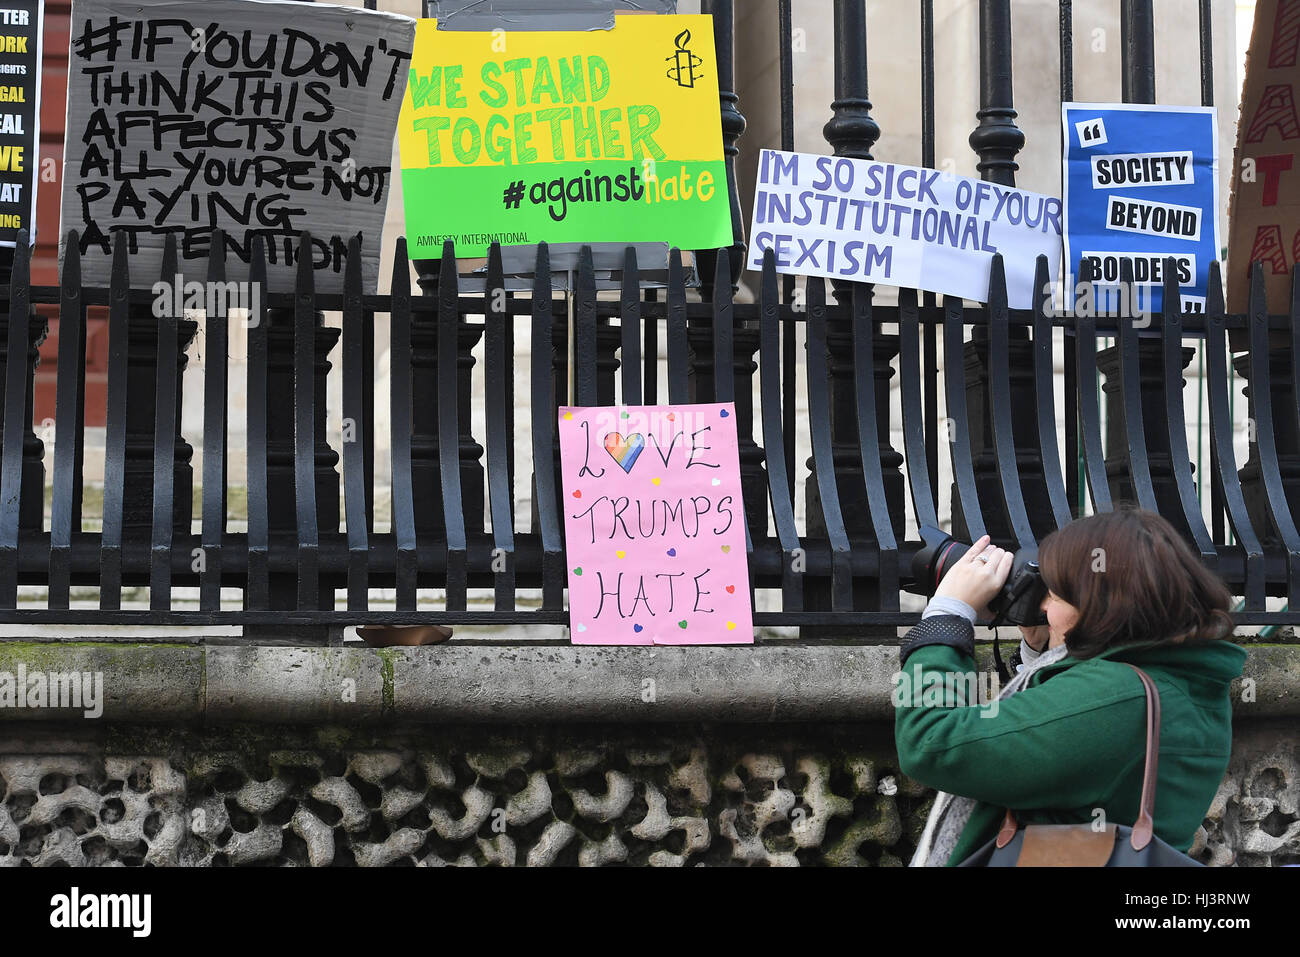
pixel 654 481
pixel 731 626
pixel 623 415
pixel 724 413
pixel 717 482
pixel 582 628
pixel 673 418
pixel 672 553
pixel 621 554
pixel 568 415
pixel 682 624
pixel 638 629
pixel 578 572
pixel 731 589
pixel 625 449
pixel 726 549
pixel 577 493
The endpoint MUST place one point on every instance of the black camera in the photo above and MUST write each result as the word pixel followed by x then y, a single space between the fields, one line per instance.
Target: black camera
pixel 1021 598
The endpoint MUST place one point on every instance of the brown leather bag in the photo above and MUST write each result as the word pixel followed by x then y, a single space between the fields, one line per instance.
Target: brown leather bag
pixel 1079 845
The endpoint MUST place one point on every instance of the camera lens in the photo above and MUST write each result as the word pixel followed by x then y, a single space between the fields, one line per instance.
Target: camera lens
pixel 947 557
pixel 936 556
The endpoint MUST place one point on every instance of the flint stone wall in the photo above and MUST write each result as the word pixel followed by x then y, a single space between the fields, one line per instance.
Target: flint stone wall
pixel 712 790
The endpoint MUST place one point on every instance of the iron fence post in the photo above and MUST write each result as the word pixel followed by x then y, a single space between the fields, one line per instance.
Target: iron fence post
pixel 753 477
pixel 1137 42
pixel 142 366
pixel 733 126
pixel 997 141
pixel 32 514
pixel 424 423
pixel 1286 436
pixel 852 132
pixel 281 495
pixel 429 520
pixel 699 332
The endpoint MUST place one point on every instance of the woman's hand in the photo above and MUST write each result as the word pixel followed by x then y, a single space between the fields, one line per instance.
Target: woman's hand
pixel 1036 636
pixel 974 580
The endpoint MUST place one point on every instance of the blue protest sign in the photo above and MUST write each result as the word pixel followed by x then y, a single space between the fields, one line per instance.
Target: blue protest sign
pixel 1141 184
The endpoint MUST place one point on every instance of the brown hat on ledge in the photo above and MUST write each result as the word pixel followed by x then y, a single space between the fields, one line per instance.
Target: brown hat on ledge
pixel 388 636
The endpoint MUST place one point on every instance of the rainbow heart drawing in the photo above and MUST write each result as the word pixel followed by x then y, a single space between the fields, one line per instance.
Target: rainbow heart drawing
pixel 624 451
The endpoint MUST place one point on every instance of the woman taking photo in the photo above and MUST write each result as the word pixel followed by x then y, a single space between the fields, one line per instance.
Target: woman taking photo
pixel 1065 743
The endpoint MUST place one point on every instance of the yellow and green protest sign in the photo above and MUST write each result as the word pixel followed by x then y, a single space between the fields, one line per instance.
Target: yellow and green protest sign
pixel 564 136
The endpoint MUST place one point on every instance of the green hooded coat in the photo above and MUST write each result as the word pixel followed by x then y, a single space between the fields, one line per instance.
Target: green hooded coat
pixel 1073 740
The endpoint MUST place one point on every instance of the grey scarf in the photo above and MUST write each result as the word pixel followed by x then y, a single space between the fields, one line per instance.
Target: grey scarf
pixel 950 813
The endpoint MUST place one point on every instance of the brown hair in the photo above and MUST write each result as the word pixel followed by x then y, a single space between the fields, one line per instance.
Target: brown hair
pixel 1133 579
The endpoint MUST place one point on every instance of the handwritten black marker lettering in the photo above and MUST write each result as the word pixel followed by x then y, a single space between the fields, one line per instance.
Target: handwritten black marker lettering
pixel 398 56
pixel 640 524
pixel 618 601
pixel 674 514
pixel 730 516
pixel 237 120
pixel 127 196
pixel 670 576
pixel 589 511
pixel 699 592
pixel 695 502
pixel 695 446
pixel 586 454
pixel 640 596
pixel 654 440
pixel 620 506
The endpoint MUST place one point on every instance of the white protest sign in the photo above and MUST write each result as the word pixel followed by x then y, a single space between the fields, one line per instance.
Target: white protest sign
pixel 897 225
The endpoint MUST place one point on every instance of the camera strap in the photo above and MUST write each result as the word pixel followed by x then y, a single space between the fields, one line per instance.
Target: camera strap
pixel 1004 673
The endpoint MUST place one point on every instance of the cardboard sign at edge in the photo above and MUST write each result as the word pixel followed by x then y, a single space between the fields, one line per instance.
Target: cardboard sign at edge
pixel 1246 209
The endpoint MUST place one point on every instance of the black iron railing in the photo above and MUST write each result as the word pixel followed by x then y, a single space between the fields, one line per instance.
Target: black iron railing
pixel 293 557
pixel 311 526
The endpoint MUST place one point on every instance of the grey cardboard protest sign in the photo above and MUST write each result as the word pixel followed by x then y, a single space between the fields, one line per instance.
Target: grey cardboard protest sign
pixel 258 117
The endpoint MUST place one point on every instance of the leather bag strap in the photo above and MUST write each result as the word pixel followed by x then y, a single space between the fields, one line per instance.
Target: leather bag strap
pixel 1144 827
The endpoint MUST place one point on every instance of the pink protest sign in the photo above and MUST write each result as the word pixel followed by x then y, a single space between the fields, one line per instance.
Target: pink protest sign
pixel 654 526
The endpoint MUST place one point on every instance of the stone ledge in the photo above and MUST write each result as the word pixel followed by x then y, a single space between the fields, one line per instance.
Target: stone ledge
pixel 481 683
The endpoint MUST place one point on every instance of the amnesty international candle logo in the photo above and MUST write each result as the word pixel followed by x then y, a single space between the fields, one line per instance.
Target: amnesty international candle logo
pixel 683 61
pixel 564 136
